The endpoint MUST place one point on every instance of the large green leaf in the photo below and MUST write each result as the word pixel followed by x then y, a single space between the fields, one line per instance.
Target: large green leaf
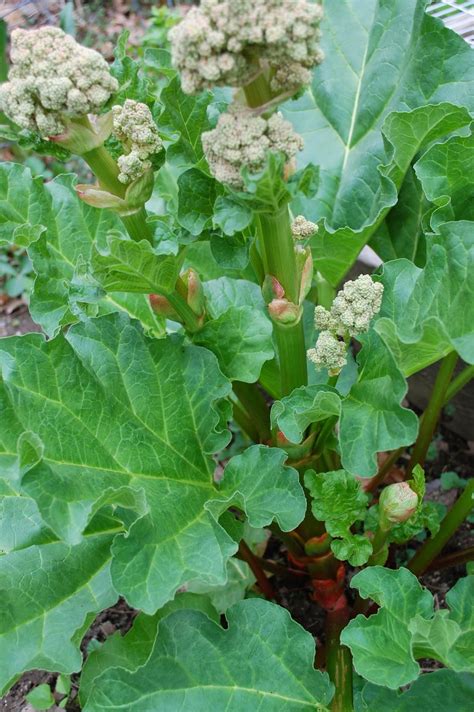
pixel 446 172
pixel 46 594
pixel 376 55
pixel 120 418
pixel 438 691
pixel 401 233
pixel 386 645
pixel 134 649
pixel 58 230
pixel 371 418
pixel 239 331
pixel 123 265
pixel 263 661
pixel 184 119
pixel 241 338
pixel 426 313
pixel 305 405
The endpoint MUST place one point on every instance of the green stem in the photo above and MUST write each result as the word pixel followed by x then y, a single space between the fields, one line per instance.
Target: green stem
pixel 431 414
pixel 451 522
pixel 379 547
pixel 106 171
pixel 278 251
pixel 325 291
pixel 461 380
pixel 339 661
pixel 258 92
pixel 256 406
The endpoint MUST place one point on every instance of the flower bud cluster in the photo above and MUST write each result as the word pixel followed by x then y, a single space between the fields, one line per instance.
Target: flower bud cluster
pixel 225 42
pixel 133 125
pixel 302 228
pixel 350 314
pixel 53 79
pixel 328 353
pixel 353 308
pixel 242 139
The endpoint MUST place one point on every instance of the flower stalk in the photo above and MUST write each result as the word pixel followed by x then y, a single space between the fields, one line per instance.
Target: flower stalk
pixel 278 252
pixel 451 522
pixel 432 412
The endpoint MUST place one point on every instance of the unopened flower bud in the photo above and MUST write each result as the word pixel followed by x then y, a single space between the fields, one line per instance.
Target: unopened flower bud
pixel 284 312
pixel 161 306
pixel 195 296
pixel 397 503
pixel 306 277
pixel 272 289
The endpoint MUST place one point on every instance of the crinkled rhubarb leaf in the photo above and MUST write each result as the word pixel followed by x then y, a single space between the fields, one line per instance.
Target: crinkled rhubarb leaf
pixel 197 193
pixel 426 313
pixel 401 233
pixel 120 264
pixel 446 173
pixel 223 293
pixel 131 421
pixel 241 338
pixel 372 419
pixel 134 649
pixel 438 691
pixel 46 595
pixel 183 120
pixel 305 405
pixel 338 500
pixel 263 661
pixel 385 646
pixel 58 231
pixel 362 81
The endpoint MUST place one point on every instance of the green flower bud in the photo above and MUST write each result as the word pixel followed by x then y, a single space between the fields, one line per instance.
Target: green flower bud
pixel 397 503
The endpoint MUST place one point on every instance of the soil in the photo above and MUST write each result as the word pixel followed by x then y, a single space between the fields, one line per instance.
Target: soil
pixel 450 452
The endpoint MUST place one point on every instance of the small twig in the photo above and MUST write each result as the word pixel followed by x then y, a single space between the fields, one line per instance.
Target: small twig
pixel 249 557
pixel 454 559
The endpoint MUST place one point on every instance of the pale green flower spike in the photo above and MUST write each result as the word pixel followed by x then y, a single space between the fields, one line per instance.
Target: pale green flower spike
pixel 328 353
pixel 302 228
pixel 53 79
pixel 133 125
pixel 226 42
pixel 242 139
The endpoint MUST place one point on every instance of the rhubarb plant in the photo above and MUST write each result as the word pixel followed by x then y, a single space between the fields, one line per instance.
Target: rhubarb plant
pixel 210 376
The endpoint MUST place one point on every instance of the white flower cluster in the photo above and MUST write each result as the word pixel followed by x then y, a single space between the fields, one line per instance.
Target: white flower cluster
pixel 353 308
pixel 242 139
pixel 302 228
pixel 350 314
pixel 53 79
pixel 328 353
pixel 225 42
pixel 133 125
